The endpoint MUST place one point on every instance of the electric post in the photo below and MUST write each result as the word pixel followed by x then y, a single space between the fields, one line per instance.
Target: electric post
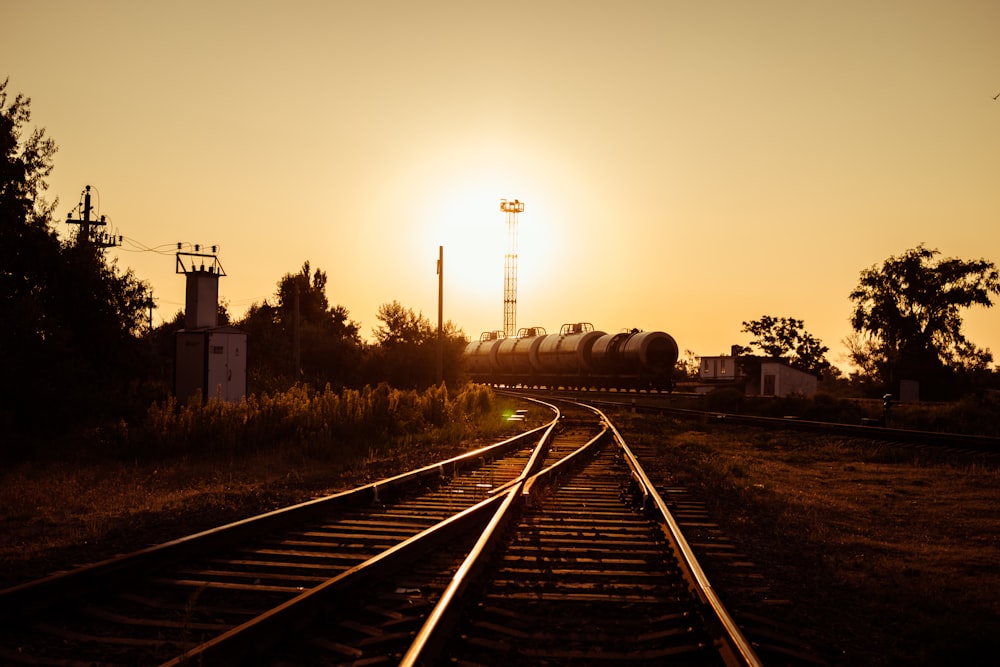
pixel 85 235
pixel 440 341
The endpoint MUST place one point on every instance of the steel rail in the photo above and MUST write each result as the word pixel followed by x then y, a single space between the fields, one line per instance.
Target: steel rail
pixel 736 649
pixel 979 443
pixel 244 642
pixel 24 600
pixel 731 645
pixel 432 635
pixel 427 645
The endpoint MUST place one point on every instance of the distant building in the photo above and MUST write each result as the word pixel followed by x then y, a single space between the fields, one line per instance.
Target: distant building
pixel 719 369
pixel 778 379
pixel 210 361
pixel 775 378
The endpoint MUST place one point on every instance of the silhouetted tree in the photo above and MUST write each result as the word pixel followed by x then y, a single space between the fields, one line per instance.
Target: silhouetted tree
pixel 687 367
pixel 29 257
pixel 68 343
pixel 785 338
pixel 908 322
pixel 330 347
pixel 405 353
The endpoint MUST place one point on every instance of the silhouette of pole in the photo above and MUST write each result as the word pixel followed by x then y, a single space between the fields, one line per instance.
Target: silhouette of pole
pixel 296 336
pixel 440 340
pixel 85 235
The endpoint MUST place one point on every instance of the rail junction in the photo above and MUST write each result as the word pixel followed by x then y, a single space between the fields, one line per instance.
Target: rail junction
pixel 553 547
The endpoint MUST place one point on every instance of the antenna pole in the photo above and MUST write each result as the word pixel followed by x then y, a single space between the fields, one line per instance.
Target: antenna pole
pixel 511 208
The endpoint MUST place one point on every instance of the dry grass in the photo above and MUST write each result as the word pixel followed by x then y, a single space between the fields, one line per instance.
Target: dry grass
pixel 890 557
pixel 181 469
pixel 57 515
pixel 47 505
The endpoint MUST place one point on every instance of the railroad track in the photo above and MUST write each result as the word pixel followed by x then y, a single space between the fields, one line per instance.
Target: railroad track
pixel 663 403
pixel 550 548
pixel 146 607
pixel 584 578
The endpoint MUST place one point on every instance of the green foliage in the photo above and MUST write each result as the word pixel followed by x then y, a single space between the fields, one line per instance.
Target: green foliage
pixel 324 423
pixel 724 399
pixel 401 326
pixel 785 338
pixel 406 349
pixel 69 344
pixel 687 367
pixel 970 414
pixel 974 415
pixel 329 346
pixel 908 322
pixel 405 353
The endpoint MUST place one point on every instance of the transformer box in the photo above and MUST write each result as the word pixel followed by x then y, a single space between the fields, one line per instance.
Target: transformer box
pixel 213 361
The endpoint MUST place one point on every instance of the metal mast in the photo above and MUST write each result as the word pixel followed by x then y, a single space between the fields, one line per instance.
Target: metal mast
pixel 511 208
pixel 87 235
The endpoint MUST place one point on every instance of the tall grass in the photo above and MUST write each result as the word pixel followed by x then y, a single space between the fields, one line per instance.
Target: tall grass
pixel 975 415
pixel 324 423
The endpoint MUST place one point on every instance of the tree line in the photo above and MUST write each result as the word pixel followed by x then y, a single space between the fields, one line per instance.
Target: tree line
pixel 301 337
pixel 907 325
pixel 74 346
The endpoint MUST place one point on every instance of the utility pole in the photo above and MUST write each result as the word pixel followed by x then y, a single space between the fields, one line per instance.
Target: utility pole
pixel 102 240
pixel 511 208
pixel 296 336
pixel 440 341
pixel 151 304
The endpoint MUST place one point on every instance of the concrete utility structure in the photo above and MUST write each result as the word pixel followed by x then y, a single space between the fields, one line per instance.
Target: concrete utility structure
pixel 511 208
pixel 208 359
pixel 776 378
pixel 212 361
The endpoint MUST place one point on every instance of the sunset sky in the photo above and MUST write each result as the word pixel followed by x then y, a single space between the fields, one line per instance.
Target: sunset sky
pixel 685 166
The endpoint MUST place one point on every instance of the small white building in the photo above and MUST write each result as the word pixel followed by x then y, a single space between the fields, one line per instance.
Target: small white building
pixel 776 378
pixel 719 368
pixel 209 360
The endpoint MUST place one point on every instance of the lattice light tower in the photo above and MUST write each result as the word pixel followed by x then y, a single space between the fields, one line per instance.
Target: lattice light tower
pixel 511 208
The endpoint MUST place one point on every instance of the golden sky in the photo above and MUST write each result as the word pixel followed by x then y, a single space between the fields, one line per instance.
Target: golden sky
pixel 684 166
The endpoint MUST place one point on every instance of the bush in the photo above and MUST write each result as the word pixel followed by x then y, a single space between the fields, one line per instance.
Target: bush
pixel 326 422
pixel 725 399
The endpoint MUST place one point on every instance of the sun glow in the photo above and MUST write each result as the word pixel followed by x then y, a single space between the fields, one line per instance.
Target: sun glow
pixel 452 188
pixel 474 234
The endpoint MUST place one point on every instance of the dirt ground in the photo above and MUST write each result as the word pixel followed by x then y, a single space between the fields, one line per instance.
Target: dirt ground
pixel 885 556
pixel 889 556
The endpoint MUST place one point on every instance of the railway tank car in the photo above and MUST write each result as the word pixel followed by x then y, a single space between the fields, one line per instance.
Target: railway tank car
pixel 517 357
pixel 569 352
pixel 577 357
pixel 481 355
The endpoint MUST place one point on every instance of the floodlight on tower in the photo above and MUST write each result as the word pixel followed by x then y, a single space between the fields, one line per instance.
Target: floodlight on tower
pixel 511 208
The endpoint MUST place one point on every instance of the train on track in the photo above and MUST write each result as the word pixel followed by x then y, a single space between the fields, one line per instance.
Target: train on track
pixel 577 357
